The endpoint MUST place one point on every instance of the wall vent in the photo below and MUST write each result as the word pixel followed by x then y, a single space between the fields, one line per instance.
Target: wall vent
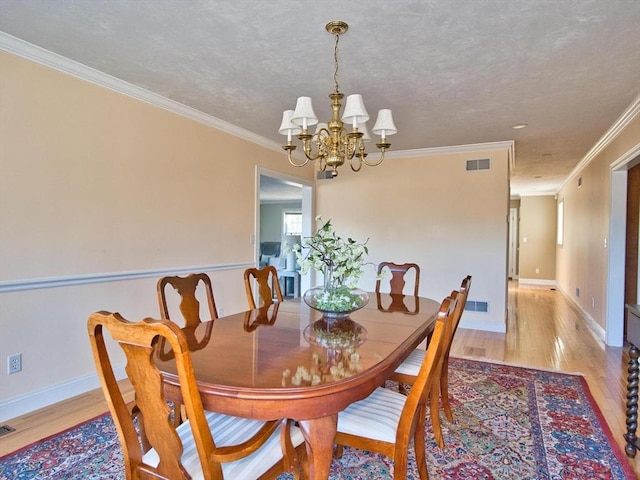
pixel 478 164
pixel 477 306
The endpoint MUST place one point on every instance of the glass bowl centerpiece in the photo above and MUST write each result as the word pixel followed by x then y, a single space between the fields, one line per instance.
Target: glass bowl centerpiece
pixel 341 262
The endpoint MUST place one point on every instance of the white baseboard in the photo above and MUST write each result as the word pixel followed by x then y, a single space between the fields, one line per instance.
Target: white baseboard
pixel 596 330
pixel 537 281
pixel 14 407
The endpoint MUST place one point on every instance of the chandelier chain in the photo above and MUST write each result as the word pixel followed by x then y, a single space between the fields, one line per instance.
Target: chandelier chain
pixel 335 59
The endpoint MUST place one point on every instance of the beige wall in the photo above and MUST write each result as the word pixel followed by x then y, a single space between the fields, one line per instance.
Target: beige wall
pixel 582 259
pixel 93 182
pixel 431 211
pixel 538 219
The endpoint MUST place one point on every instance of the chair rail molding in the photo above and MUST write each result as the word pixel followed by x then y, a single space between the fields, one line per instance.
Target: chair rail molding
pixel 66 281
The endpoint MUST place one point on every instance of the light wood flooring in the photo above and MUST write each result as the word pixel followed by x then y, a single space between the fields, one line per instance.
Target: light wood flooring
pixel 544 330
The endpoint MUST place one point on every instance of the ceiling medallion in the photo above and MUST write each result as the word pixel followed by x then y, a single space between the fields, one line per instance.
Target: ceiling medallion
pixel 332 144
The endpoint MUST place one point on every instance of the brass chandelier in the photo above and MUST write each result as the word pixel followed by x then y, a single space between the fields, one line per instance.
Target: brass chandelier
pixel 332 144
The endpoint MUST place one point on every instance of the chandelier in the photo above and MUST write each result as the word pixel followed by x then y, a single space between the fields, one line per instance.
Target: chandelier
pixel 332 144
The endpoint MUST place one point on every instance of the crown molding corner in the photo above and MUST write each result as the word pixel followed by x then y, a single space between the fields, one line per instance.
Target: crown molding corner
pixel 620 124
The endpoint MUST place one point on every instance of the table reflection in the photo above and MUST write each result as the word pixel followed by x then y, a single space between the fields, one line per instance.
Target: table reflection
pixel 408 304
pixel 261 316
pixel 334 365
pixel 191 334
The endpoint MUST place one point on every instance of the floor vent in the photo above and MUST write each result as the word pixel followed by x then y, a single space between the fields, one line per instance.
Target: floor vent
pixel 4 429
pixel 479 164
pixel 476 306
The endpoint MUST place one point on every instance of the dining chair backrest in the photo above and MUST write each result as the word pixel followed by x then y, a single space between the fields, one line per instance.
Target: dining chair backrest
pixel 186 287
pixel 191 442
pixel 398 281
pixel 463 294
pixel 268 285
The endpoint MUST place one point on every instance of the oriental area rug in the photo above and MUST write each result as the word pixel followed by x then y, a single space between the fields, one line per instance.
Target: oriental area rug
pixel 509 423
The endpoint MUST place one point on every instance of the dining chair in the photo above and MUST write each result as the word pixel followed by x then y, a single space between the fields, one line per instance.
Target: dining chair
pixel 387 421
pixel 268 285
pixel 408 370
pixel 189 304
pixel 208 445
pixel 397 281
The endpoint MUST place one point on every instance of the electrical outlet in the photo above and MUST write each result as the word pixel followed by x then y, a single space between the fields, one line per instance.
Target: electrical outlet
pixel 537 270
pixel 221 312
pixel 14 363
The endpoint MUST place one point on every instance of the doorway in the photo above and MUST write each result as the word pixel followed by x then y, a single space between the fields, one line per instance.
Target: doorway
pixel 278 197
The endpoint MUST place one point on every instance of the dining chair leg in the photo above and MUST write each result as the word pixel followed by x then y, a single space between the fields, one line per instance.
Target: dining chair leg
pixel 292 462
pixel 419 442
pixel 444 390
pixel 337 451
pixel 435 414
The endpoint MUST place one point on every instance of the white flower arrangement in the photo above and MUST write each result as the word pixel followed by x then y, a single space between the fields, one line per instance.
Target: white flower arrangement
pixel 341 261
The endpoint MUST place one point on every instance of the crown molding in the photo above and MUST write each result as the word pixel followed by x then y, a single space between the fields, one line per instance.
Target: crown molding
pixel 629 114
pixel 508 145
pixel 36 54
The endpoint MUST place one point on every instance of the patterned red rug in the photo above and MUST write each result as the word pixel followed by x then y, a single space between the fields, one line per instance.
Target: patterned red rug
pixel 510 423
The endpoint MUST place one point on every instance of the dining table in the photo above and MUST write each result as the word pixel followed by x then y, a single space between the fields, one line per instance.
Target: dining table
pixel 266 364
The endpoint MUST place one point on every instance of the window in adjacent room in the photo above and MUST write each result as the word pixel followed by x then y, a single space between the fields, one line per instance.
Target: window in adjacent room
pixel 292 223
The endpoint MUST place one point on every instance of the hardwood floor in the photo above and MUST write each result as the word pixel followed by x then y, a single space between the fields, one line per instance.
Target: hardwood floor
pixel 544 330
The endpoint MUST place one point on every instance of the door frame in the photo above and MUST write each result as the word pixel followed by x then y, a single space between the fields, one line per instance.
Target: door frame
pixel 614 320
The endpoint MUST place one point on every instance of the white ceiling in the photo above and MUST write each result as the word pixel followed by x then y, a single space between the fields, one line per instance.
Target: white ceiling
pixel 453 72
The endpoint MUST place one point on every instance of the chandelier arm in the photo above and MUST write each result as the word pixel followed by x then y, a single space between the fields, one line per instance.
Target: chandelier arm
pixel 294 163
pixel 359 164
pixel 308 148
pixel 374 164
pixel 322 164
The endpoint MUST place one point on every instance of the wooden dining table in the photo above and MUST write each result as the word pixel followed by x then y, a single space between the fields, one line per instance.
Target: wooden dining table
pixel 259 364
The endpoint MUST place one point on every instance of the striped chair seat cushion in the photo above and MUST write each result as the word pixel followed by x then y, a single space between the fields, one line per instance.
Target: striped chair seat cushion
pixel 411 366
pixel 228 430
pixel 376 416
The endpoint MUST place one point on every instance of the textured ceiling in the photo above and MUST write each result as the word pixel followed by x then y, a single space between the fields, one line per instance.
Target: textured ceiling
pixel 453 72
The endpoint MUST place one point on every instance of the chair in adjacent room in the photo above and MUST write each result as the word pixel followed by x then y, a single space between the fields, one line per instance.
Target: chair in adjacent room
pixel 398 281
pixel 387 421
pixel 407 372
pixel 208 445
pixel 189 304
pixel 268 285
